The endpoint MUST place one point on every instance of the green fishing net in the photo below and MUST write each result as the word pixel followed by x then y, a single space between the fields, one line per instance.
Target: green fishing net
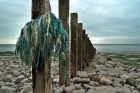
pixel 39 38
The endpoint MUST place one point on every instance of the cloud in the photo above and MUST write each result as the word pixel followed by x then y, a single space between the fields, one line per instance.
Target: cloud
pixel 14 15
pixel 105 21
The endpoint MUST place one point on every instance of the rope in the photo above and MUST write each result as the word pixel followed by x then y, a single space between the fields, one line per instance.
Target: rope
pixel 39 37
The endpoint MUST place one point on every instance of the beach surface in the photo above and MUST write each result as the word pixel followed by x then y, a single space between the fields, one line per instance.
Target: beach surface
pixel 105 73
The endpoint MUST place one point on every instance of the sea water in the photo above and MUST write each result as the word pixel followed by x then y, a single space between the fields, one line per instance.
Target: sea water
pixel 117 47
pixel 99 47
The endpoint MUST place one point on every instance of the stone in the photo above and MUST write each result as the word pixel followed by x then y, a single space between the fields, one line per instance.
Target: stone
pixel 59 90
pixel 5 91
pixel 119 90
pixel 9 84
pixel 137 80
pixel 138 87
pixel 117 84
pixel 105 73
pixel 84 80
pixel 103 89
pixel 91 91
pixel 5 87
pixel 130 81
pixel 82 74
pixel 124 81
pixel 77 86
pixel 127 85
pixel 26 88
pixel 105 81
pixel 95 78
pixel 56 80
pixel 9 76
pixel 24 80
pixel 126 89
pixel 69 89
pixel 109 59
pixel 94 83
pixel 53 77
pixel 20 77
pixel 109 65
pixel 79 91
pixel 124 76
pixel 135 91
pixel 117 80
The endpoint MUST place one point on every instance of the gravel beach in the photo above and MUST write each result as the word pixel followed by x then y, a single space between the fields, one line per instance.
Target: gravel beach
pixel 105 73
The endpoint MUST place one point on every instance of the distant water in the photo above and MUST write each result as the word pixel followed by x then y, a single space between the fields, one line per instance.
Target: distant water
pixel 7 47
pixel 99 47
pixel 117 47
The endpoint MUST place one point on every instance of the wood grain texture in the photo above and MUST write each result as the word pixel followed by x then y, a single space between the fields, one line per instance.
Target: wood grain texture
pixel 41 76
pixel 74 43
pixel 64 17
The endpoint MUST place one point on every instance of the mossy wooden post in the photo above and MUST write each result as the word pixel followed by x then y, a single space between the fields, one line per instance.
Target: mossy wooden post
pixel 79 63
pixel 83 49
pixel 64 17
pixel 42 76
pixel 74 43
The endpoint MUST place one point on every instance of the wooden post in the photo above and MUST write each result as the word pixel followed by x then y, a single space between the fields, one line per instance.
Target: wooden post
pixel 64 17
pixel 74 43
pixel 42 76
pixel 79 63
pixel 85 42
pixel 86 48
pixel 83 50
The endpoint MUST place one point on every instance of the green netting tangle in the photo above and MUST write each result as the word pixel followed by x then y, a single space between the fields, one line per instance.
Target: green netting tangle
pixel 39 38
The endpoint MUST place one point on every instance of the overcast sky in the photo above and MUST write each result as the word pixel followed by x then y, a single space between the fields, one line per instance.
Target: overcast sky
pixel 105 21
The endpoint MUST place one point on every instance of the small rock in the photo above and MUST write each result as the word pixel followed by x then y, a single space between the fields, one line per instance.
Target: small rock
pixel 69 89
pixel 91 91
pixel 109 59
pixel 84 80
pixel 79 91
pixel 26 88
pixel 130 81
pixel 117 84
pixel 82 74
pixel 20 77
pixel 56 80
pixel 5 91
pixel 138 87
pixel 135 91
pixel 124 76
pixel 77 86
pixel 105 81
pixel 119 90
pixel 60 90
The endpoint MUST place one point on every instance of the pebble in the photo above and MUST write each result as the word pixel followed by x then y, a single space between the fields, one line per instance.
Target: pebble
pixel 130 81
pixel 105 81
pixel 77 86
pixel 69 89
pixel 84 80
pixel 79 91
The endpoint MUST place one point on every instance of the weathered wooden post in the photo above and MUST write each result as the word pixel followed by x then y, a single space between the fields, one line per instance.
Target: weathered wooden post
pixel 86 48
pixel 83 50
pixel 42 76
pixel 74 43
pixel 79 63
pixel 64 17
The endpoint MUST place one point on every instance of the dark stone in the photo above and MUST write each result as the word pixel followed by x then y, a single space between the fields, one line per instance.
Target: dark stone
pixel 130 81
pixel 109 59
